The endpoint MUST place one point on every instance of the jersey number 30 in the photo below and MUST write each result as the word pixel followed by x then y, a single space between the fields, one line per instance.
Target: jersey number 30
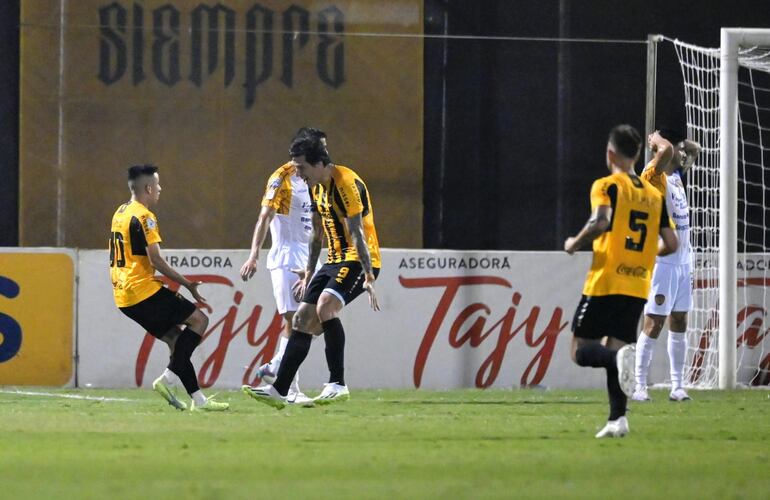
pixel 636 222
pixel 118 252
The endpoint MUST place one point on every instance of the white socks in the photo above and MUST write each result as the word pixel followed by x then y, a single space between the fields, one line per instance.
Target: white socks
pixel 199 398
pixel 677 349
pixel 644 347
pixel 170 377
pixel 294 387
pixel 275 363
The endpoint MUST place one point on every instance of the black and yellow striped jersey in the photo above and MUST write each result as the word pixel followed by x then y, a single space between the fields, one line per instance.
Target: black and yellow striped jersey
pixel 624 255
pixel 345 196
pixel 134 227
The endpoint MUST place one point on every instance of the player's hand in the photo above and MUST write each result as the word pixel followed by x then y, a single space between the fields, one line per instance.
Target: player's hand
pixel 651 141
pixel 369 287
pixel 299 286
pixel 194 291
pixel 569 245
pixel 248 269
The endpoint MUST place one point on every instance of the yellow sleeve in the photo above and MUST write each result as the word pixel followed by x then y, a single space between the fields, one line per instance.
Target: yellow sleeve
pixel 658 180
pixel 600 193
pixel 150 228
pixel 277 191
pixel 351 195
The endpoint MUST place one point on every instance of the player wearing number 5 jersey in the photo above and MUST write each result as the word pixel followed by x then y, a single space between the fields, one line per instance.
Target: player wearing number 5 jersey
pixel 628 214
pixel 134 256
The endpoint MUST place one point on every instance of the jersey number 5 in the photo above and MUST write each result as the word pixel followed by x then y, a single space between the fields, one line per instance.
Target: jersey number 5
pixel 117 250
pixel 636 224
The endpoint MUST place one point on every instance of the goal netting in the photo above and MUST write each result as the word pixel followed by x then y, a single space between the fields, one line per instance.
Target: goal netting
pixel 701 74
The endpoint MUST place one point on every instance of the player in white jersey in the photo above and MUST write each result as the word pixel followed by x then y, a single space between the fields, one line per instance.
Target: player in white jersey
pixel 671 291
pixel 286 208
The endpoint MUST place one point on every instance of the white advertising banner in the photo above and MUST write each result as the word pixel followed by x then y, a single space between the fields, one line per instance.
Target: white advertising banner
pixel 449 319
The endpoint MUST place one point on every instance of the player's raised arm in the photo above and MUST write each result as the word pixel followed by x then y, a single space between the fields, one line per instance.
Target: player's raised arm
pixel 356 230
pixel 595 227
pixel 266 215
pixel 663 151
pixel 160 264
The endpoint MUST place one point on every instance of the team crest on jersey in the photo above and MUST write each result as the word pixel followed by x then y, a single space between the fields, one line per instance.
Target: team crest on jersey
pixel 151 223
pixel 660 299
pixel 272 188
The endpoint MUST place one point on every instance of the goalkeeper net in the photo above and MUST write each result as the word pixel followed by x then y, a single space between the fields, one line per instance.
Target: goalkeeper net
pixel 701 74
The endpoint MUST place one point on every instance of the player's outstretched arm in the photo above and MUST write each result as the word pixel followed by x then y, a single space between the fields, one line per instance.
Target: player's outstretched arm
pixel 159 263
pixel 595 227
pixel 249 267
pixel 356 230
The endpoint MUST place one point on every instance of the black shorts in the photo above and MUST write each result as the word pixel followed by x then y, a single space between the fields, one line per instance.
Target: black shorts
pixel 344 280
pixel 160 312
pixel 608 316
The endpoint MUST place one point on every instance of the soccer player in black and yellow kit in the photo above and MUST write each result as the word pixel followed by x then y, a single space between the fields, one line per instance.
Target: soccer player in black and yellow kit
pixel 134 256
pixel 342 206
pixel 627 216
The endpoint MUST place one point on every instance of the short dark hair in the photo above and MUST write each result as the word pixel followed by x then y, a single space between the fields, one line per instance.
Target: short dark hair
pixel 674 136
pixel 136 171
pixel 310 132
pixel 311 148
pixel 626 141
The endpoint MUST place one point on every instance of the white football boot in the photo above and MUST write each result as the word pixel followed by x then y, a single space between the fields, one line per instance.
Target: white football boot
pixel 266 394
pixel 614 429
pixel 640 394
pixel 300 399
pixel 679 394
pixel 332 393
pixel 267 373
pixel 626 360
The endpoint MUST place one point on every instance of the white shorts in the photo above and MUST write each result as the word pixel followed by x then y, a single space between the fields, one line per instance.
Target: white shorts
pixel 282 280
pixel 670 290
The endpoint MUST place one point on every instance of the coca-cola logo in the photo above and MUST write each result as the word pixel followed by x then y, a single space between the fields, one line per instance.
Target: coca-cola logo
pixel 632 271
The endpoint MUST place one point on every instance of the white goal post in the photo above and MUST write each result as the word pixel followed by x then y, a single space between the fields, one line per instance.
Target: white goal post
pixel 732 40
pixel 712 102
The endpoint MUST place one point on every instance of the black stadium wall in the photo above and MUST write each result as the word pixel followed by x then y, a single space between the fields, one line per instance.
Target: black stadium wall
pixel 526 123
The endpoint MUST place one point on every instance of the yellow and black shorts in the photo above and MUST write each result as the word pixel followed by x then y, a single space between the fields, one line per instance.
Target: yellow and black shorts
pixel 344 280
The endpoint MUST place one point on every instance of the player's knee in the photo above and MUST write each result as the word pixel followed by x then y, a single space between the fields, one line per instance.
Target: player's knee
pixel 579 357
pixel 198 321
pixel 652 327
pixel 677 322
pixel 302 320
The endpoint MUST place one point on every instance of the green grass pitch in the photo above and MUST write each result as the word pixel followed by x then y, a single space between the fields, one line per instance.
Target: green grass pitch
pixel 385 444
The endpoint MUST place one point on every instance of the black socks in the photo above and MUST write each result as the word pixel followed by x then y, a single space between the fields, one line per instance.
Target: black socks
pixel 296 352
pixel 598 356
pixel 180 362
pixel 334 336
